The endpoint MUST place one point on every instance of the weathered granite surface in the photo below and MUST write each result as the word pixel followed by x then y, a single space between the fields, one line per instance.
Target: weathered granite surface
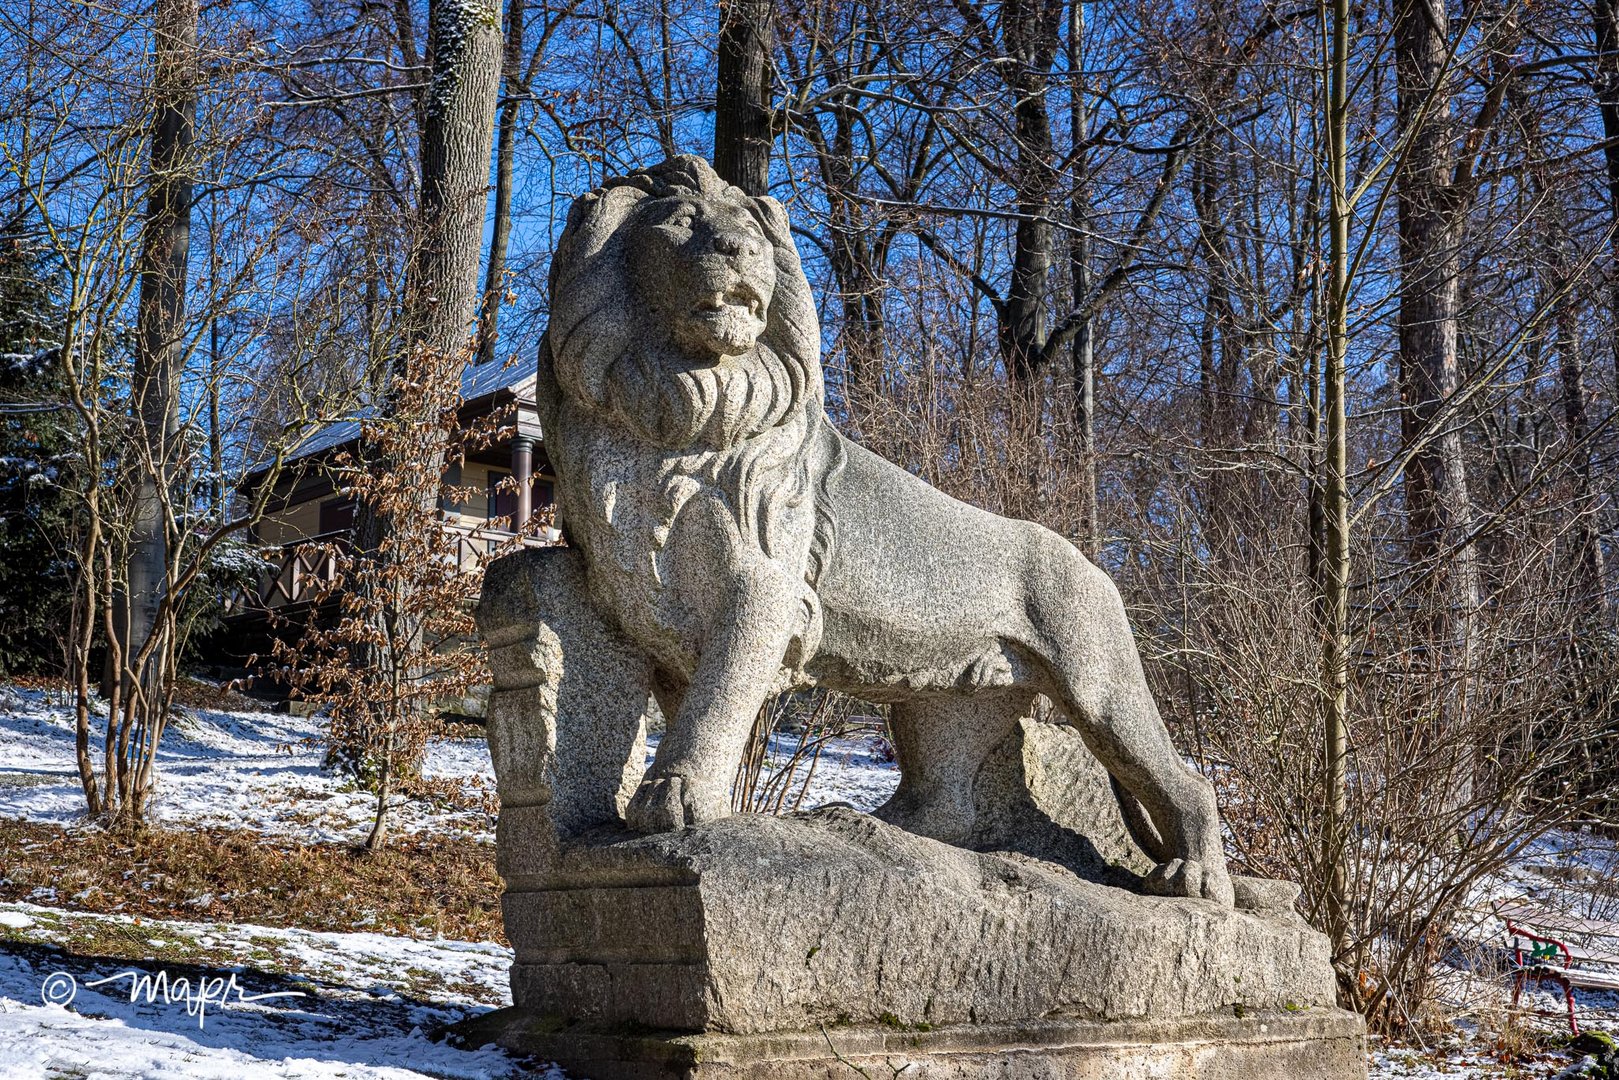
pixel 1309 1045
pixel 761 924
pixel 1043 793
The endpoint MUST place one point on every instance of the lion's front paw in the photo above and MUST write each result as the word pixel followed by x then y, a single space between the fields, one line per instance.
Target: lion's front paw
pixel 1188 877
pixel 666 803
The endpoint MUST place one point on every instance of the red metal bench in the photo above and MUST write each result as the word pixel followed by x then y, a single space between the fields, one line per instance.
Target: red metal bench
pixel 1568 950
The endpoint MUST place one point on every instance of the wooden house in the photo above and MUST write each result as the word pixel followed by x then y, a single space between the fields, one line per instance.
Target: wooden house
pixel 307 519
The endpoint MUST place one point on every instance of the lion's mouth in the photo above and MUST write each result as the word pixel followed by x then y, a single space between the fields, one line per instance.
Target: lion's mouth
pixel 731 299
pixel 724 321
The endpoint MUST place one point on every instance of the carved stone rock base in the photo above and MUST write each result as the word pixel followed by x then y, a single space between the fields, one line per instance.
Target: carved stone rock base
pixel 771 928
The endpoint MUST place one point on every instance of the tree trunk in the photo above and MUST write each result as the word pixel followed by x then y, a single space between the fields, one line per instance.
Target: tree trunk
pixel 1439 514
pixel 1222 353
pixel 1334 496
pixel 1226 354
pixel 458 128
pixel 666 61
pixel 1586 534
pixel 1440 518
pixel 1561 296
pixel 1079 258
pixel 742 120
pixel 378 836
pixel 1031 46
pixel 216 434
pixel 1605 15
pixel 139 625
pixel 1029 42
pixel 494 282
pixel 853 261
pixel 441 280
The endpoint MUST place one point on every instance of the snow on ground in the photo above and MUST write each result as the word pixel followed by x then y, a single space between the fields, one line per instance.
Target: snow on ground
pixel 856 769
pixel 365 1005
pixel 1452 1062
pixel 262 771
pixel 246 770
pixel 1558 869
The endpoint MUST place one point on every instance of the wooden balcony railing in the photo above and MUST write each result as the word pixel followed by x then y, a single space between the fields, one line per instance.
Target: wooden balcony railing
pixel 302 571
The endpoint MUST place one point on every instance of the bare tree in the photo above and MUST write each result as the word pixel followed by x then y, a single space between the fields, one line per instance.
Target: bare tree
pixel 1079 271
pixel 1435 188
pixel 1333 578
pixel 140 659
pixel 494 281
pixel 440 301
pixel 1605 23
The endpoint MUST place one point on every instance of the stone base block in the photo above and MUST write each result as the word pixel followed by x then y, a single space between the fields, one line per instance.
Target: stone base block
pixel 756 925
pixel 1314 1044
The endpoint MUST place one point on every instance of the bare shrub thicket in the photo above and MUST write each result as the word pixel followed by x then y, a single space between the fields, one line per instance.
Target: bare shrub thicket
pixel 129 167
pixel 786 743
pixel 1439 798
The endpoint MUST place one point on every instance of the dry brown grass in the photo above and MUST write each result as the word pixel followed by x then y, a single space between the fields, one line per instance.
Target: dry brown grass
pixel 419 886
pixel 192 693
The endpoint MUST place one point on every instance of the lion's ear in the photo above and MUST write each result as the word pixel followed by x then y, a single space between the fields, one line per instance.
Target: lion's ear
pixel 593 221
pixel 773 217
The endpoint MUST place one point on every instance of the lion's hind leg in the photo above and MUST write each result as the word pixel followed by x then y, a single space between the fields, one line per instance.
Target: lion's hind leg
pixel 941 741
pixel 1096 678
pixel 1125 732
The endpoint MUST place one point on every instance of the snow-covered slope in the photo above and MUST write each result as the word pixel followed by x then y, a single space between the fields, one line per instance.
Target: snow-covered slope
pixel 262 771
pixel 365 1003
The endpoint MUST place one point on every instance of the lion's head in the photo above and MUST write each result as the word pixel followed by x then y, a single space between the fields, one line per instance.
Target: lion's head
pixel 679 309
pixel 706 271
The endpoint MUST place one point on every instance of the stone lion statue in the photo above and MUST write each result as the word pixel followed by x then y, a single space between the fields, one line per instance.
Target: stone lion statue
pixel 726 544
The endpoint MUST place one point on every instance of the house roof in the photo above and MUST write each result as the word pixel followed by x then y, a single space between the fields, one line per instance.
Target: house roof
pixel 480 380
pixel 477 381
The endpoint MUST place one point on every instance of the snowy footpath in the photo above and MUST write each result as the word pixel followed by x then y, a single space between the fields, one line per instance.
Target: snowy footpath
pixel 239 1001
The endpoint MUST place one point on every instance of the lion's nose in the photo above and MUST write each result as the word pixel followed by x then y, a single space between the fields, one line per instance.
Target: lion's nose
pixel 735 245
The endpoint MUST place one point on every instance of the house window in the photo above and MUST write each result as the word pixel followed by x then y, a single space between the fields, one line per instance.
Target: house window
pixel 336 515
pixel 502 499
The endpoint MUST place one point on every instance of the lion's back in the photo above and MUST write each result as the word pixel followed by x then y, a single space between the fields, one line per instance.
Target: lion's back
pixel 913 568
